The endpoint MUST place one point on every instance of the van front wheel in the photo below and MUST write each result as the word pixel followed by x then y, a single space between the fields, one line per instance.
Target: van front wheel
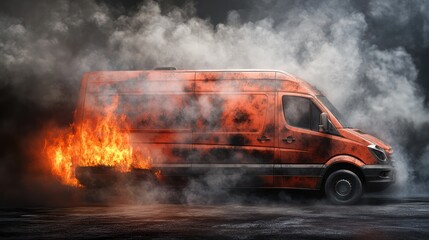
pixel 343 187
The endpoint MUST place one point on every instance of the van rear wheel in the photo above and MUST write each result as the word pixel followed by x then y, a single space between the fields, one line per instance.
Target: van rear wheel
pixel 343 187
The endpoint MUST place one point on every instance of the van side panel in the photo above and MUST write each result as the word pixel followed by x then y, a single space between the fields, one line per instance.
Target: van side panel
pixel 234 131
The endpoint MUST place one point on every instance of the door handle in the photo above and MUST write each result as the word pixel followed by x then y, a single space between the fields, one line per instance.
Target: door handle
pixel 289 139
pixel 263 139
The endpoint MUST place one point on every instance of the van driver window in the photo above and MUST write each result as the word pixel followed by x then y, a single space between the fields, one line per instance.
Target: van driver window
pixel 301 112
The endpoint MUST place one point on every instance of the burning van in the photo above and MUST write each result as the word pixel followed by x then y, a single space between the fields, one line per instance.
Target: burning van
pixel 271 129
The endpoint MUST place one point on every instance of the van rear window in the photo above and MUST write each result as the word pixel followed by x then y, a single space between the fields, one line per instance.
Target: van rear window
pixel 301 112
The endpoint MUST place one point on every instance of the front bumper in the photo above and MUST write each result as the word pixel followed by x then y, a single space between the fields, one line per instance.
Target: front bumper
pixel 378 177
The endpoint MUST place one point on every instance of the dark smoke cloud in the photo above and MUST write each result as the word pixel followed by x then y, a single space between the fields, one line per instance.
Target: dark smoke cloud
pixel 369 57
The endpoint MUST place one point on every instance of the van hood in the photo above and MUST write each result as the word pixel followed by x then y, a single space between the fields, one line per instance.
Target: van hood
pixel 364 138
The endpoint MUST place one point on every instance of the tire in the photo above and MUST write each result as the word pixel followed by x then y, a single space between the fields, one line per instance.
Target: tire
pixel 343 187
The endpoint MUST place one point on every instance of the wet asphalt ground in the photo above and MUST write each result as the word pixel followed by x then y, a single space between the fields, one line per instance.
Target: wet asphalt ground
pixel 373 218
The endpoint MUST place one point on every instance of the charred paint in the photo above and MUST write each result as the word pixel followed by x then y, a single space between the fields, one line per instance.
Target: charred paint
pixel 232 155
pixel 264 156
pixel 270 129
pixel 182 153
pixel 241 116
pixel 238 139
pixel 221 155
pixel 215 139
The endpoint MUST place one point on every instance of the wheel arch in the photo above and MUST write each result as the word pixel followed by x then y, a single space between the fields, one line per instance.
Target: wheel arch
pixel 342 162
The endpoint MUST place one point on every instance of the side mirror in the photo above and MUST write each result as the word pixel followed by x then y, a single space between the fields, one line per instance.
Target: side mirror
pixel 323 127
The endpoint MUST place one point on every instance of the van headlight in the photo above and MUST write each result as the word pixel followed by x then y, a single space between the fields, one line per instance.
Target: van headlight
pixel 377 152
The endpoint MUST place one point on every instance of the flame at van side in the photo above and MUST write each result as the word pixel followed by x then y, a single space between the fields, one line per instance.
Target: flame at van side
pixel 102 140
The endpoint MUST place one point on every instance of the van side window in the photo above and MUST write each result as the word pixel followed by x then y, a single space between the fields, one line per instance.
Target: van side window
pixel 301 112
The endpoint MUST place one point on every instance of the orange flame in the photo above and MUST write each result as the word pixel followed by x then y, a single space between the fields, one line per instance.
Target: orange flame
pixel 99 141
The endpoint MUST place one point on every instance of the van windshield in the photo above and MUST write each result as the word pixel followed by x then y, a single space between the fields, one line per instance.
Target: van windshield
pixel 334 111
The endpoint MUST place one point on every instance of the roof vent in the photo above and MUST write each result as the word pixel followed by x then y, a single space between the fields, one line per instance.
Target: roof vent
pixel 165 68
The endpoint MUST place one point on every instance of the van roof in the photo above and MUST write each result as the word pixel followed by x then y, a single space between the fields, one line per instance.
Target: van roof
pixel 227 70
pixel 203 74
pixel 289 75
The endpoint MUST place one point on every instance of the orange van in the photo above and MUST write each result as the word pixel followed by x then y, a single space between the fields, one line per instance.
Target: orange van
pixel 267 127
